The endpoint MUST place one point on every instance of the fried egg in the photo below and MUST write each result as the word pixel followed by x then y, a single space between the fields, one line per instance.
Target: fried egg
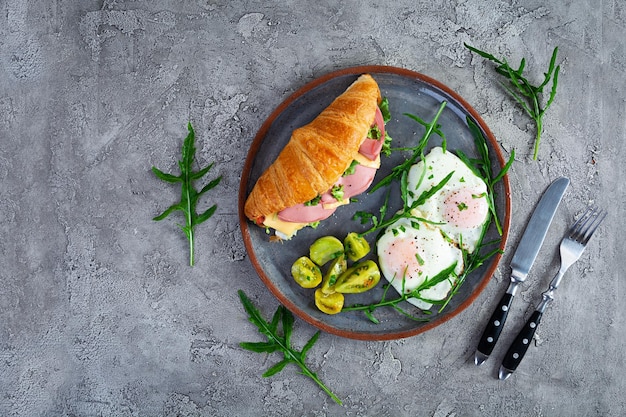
pixel 460 208
pixel 411 252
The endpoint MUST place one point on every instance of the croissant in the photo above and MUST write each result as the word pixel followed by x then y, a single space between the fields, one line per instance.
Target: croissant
pixel 317 154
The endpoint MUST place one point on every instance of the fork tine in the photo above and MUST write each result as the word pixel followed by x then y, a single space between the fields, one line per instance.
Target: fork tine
pixel 593 225
pixel 582 230
pixel 575 229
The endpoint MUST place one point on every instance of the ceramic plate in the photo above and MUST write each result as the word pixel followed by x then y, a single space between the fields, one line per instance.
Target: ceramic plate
pixel 408 92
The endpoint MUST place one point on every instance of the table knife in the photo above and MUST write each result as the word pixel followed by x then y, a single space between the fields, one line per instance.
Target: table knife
pixel 523 259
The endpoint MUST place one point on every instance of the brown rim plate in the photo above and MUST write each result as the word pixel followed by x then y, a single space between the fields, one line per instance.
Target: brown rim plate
pixel 408 92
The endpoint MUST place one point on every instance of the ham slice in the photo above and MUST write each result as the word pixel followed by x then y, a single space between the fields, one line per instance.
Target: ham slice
pixel 370 148
pixel 353 185
pixel 305 214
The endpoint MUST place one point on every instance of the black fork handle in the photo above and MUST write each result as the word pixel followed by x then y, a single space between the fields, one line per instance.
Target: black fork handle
pixel 520 345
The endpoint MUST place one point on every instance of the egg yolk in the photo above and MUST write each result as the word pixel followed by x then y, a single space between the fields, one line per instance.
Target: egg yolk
pixel 403 259
pixel 465 209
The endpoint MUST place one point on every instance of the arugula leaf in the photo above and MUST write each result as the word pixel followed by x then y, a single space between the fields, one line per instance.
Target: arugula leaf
pixel 277 342
pixel 351 169
pixel 482 167
pixel 337 192
pixel 384 109
pixel 314 202
pixel 527 95
pixel 431 282
pixel 189 195
pixel 374 133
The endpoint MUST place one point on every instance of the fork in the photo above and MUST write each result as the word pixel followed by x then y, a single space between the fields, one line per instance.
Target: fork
pixel 571 248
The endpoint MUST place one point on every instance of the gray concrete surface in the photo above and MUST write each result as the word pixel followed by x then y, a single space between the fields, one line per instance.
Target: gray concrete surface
pixel 100 314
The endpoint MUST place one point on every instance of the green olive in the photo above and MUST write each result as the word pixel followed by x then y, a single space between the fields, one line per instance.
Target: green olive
pixel 306 273
pixel 328 303
pixel 359 278
pixel 337 267
pixel 324 249
pixel 356 246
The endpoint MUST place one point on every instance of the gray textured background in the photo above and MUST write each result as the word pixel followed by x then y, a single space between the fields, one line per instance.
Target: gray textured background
pixel 100 314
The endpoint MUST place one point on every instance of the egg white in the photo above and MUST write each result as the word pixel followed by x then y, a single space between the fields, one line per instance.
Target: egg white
pixel 460 208
pixel 411 252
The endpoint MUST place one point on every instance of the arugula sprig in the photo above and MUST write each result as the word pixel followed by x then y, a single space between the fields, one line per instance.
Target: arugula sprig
pixel 384 110
pixel 527 95
pixel 482 168
pixel 189 195
pixel 277 342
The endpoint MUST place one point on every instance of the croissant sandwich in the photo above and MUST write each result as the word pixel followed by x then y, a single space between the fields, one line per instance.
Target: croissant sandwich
pixel 324 164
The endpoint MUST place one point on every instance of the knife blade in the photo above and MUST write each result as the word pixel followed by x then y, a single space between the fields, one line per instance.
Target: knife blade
pixel 523 259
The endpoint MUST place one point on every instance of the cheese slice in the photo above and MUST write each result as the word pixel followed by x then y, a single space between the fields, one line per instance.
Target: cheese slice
pixel 366 162
pixel 287 229
pixel 330 206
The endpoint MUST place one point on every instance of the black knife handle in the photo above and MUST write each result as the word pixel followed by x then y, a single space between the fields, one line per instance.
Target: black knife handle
pixel 518 349
pixel 496 323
